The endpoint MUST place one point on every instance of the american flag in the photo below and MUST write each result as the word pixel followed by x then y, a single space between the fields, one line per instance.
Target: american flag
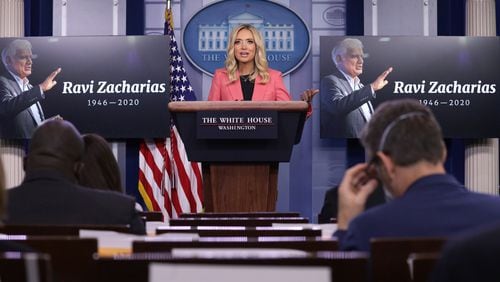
pixel 168 182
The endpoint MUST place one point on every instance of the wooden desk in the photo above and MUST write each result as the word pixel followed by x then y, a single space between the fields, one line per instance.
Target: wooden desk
pixel 236 221
pixel 295 243
pixel 345 266
pixel 241 231
pixel 239 214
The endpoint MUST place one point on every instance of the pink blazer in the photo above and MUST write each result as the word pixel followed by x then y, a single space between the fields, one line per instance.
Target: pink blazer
pixel 273 90
pixel 222 90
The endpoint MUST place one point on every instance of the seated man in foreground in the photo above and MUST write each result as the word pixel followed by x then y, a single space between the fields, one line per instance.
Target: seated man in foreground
pixel 407 152
pixel 472 256
pixel 49 193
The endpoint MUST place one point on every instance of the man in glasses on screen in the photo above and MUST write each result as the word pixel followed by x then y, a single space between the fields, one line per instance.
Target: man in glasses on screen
pixel 20 109
pixel 345 102
pixel 405 145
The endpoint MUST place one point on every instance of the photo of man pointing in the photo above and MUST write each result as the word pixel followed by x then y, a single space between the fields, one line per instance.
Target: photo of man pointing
pixel 20 109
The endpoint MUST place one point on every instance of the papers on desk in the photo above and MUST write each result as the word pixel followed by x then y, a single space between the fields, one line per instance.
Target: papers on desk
pixel 152 225
pixel 12 237
pixel 240 273
pixel 112 242
pixel 237 253
pixel 189 237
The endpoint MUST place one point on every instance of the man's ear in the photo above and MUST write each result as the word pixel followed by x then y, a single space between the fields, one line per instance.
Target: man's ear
pixel 445 152
pixel 388 163
pixel 8 60
pixel 338 59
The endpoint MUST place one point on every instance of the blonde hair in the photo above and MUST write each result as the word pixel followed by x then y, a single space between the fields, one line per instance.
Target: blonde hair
pixel 261 67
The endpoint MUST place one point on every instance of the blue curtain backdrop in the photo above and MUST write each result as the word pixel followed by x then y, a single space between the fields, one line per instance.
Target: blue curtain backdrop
pixel 497 12
pixel 38 17
pixel 135 26
pixel 451 22
pixel 354 17
pixel 135 17
pixel 451 17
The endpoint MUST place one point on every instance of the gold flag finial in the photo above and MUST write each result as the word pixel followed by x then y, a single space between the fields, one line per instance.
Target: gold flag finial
pixel 168 15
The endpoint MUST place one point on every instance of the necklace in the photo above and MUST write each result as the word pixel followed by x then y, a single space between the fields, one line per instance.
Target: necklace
pixel 246 78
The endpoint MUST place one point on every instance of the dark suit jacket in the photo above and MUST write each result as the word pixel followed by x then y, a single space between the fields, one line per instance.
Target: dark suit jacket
pixel 16 119
pixel 330 205
pixel 433 206
pixel 341 114
pixel 471 257
pixel 46 197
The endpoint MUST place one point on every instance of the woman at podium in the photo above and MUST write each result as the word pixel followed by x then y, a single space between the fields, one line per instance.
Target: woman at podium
pixel 246 75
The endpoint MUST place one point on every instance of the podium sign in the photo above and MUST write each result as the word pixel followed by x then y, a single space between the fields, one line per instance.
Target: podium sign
pixel 240 171
pixel 237 124
pixel 290 120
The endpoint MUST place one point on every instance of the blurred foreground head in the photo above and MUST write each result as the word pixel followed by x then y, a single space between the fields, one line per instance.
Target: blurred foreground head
pixel 100 169
pixel 56 145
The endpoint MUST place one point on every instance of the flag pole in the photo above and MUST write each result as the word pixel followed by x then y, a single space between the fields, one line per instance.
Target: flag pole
pixel 172 161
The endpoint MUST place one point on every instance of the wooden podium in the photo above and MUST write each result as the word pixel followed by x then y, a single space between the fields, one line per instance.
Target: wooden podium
pixel 240 167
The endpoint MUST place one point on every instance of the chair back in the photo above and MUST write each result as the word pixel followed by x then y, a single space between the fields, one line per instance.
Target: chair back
pixel 422 265
pixel 25 267
pixel 151 215
pixel 389 256
pixel 71 257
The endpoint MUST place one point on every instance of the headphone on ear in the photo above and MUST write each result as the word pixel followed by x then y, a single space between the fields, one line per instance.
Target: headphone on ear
pixel 393 124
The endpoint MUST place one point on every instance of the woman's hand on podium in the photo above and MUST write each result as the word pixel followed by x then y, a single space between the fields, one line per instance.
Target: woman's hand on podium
pixel 308 95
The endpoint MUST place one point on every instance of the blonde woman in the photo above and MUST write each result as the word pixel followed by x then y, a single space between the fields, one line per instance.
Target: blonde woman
pixel 246 75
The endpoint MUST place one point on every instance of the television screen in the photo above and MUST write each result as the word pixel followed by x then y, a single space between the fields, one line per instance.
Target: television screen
pixel 454 76
pixel 116 86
